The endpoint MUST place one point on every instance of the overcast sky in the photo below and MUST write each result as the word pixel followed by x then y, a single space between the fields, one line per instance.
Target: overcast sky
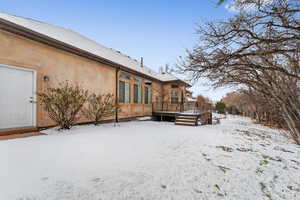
pixel 158 30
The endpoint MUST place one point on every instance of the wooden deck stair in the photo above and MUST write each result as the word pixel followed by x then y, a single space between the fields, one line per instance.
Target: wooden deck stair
pixel 186 120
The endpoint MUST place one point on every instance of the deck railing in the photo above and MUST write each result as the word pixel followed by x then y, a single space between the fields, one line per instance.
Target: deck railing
pixel 191 107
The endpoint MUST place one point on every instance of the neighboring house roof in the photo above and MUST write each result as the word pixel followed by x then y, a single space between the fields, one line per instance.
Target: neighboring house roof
pixel 74 39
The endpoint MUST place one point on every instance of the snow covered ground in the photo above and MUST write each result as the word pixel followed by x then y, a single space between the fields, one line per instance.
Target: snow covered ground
pixel 235 159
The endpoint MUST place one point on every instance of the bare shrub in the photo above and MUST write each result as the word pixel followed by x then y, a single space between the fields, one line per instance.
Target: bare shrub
pixel 100 106
pixel 64 103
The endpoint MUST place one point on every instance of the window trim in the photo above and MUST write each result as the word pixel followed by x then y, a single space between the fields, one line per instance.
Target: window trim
pixel 125 82
pixel 125 76
pixel 138 100
pixel 174 86
pixel 172 97
pixel 146 92
pixel 138 79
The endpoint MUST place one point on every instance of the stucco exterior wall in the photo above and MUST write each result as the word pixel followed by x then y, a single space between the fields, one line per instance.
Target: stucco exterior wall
pixel 139 109
pixel 58 65
pixel 167 88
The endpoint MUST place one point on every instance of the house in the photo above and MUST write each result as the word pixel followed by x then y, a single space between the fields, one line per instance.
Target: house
pixel 35 55
pixel 189 96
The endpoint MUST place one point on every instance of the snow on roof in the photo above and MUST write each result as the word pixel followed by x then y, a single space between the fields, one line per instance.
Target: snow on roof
pixel 72 38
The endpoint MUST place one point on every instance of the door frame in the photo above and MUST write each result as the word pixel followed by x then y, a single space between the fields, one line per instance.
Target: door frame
pixel 34 90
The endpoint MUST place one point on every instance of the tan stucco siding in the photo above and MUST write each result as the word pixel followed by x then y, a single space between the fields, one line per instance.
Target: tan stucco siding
pixel 167 88
pixel 157 89
pixel 139 109
pixel 58 65
pixel 61 66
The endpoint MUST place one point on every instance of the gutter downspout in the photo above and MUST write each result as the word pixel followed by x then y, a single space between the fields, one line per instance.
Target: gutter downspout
pixel 117 94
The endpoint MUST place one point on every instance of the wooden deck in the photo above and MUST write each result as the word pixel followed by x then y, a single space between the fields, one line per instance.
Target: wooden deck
pixel 165 113
pixel 185 118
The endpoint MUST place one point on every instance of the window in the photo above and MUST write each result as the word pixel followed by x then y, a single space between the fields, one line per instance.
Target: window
pixel 124 75
pixel 174 86
pixel 124 92
pixel 148 95
pixel 138 79
pixel 147 82
pixel 137 94
pixel 174 97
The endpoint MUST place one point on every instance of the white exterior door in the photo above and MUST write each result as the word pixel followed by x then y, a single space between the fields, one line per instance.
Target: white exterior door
pixel 17 97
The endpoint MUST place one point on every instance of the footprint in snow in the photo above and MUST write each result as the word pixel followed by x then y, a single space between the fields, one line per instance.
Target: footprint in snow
pixel 163 186
pixel 96 180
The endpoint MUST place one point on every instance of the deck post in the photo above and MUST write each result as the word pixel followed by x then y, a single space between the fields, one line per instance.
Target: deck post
pixel 210 118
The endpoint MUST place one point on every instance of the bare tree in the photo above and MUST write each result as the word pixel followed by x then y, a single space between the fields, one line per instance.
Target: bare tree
pixel 257 48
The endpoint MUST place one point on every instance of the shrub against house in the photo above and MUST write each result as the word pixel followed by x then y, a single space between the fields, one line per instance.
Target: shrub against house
pixel 64 103
pixel 100 106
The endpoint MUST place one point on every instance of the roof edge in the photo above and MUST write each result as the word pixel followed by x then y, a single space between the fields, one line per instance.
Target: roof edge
pixel 20 30
pixel 35 36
